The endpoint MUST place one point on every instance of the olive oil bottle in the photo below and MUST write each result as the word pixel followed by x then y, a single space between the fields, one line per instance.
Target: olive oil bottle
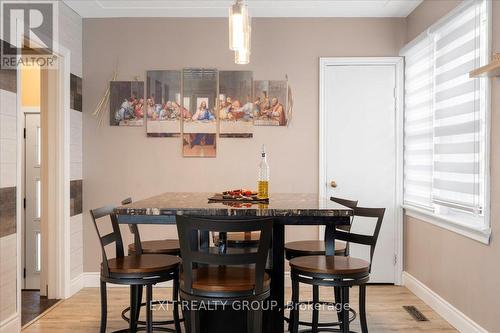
pixel 263 184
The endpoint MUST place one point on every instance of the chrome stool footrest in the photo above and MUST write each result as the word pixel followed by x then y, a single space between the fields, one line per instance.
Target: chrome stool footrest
pixel 155 323
pixel 139 329
pixel 323 325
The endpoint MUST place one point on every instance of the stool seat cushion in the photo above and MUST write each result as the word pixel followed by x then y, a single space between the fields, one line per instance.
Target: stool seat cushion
pixel 146 263
pixel 335 265
pixel 167 246
pixel 312 247
pixel 225 279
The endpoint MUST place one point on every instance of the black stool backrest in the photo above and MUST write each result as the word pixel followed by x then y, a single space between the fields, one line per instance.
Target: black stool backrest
pixel 113 237
pixel 348 203
pixel 369 240
pixel 134 230
pixel 189 229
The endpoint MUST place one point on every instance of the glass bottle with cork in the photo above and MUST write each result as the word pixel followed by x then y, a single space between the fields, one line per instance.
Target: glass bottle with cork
pixel 263 183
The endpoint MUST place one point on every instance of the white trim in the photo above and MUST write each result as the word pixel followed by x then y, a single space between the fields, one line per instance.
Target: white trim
pixel 480 235
pixel 218 8
pixel 19 212
pixel 11 324
pixel 399 64
pixel 446 310
pixel 76 285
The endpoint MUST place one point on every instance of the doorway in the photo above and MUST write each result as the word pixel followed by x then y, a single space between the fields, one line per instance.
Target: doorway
pixel 359 149
pixel 34 300
pixel 32 202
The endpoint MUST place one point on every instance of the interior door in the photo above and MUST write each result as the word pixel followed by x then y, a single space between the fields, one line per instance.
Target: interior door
pixel 361 151
pixel 32 241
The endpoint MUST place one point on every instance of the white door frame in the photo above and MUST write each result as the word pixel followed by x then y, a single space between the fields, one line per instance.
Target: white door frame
pixel 58 207
pixel 324 62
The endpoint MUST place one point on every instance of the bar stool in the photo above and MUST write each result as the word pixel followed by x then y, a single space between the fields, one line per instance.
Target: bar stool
pixel 317 248
pixel 135 271
pixel 168 247
pixel 222 279
pixel 336 271
pixel 237 239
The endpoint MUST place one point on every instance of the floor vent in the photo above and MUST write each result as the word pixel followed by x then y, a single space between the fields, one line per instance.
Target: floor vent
pixel 415 313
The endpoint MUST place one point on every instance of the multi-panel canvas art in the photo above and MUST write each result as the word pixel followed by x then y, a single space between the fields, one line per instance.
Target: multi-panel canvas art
pixel 270 100
pixel 235 104
pixel 196 104
pixel 199 145
pixel 199 87
pixel 126 103
pixel 163 103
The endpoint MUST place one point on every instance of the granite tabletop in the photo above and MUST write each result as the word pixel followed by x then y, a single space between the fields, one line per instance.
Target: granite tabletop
pixel 280 204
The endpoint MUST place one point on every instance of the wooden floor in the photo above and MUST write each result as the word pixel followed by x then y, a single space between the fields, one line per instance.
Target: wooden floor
pixel 385 311
pixel 33 305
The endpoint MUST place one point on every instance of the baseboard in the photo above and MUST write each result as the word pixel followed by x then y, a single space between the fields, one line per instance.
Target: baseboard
pixel 11 324
pixel 451 314
pixel 76 285
pixel 92 280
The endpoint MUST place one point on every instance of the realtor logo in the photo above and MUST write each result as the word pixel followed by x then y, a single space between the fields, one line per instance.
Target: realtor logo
pixel 28 33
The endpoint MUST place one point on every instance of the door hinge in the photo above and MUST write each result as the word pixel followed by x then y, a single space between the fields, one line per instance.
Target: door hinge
pixel 24 133
pixel 24 273
pixel 395 260
pixel 24 203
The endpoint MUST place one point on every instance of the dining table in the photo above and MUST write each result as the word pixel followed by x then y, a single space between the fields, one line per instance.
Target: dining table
pixel 284 208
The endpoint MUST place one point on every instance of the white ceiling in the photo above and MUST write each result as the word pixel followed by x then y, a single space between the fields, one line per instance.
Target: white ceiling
pixel 258 8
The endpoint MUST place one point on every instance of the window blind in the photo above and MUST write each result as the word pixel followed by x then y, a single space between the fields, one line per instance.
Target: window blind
pixel 459 111
pixel 418 124
pixel 444 143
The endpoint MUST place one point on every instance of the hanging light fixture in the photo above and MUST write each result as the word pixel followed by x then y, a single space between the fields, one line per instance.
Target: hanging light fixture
pixel 239 32
pixel 242 56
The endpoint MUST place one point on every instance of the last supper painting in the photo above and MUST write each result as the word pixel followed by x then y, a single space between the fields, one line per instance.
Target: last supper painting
pixel 270 99
pixel 235 107
pixel 126 103
pixel 163 104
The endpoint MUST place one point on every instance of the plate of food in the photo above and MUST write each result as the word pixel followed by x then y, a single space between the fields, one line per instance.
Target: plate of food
pixel 240 195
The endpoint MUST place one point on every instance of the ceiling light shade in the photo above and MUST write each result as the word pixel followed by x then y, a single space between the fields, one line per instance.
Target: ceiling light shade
pixel 239 24
pixel 242 57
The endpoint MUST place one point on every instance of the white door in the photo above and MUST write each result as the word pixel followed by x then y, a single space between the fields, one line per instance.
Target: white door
pixel 33 204
pixel 360 148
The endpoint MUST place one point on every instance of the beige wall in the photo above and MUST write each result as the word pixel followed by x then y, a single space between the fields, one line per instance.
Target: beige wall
pixel 426 14
pixel 462 271
pixel 121 162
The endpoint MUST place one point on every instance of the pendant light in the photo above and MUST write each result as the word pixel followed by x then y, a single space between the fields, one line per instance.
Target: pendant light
pixel 242 56
pixel 239 32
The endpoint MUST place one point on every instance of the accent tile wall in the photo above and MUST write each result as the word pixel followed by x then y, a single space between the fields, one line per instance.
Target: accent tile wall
pixel 70 27
pixel 8 197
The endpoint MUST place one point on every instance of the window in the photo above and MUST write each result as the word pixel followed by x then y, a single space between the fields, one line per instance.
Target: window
pixel 38 252
pixel 446 120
